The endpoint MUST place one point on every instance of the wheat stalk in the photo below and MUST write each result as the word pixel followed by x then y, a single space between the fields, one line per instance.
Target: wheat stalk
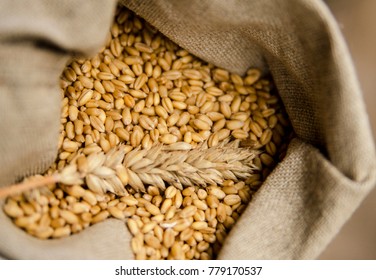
pixel 176 164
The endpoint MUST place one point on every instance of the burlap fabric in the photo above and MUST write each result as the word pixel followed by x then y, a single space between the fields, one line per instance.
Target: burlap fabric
pixel 329 167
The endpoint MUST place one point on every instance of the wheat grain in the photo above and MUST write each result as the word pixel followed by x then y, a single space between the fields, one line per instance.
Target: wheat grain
pixel 142 90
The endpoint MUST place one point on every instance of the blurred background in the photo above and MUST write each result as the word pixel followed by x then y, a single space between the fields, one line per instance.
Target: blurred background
pixel 357 20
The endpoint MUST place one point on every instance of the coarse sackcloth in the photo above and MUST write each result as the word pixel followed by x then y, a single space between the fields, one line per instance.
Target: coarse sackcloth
pixel 329 168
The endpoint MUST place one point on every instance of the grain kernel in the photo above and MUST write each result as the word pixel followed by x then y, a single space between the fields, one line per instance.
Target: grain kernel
pixel 168 138
pixel 232 199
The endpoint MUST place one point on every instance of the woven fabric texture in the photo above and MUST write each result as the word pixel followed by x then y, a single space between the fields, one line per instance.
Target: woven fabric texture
pixel 329 168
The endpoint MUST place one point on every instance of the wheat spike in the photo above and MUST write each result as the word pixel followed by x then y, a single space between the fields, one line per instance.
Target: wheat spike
pixel 162 165
pixel 177 164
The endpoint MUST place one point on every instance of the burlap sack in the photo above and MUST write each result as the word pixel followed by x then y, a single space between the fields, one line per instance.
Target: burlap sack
pixel 329 167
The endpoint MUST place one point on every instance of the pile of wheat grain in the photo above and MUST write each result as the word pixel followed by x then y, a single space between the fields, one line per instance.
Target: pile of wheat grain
pixel 141 90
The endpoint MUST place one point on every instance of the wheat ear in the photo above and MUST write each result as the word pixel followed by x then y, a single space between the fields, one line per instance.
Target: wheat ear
pixel 177 164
